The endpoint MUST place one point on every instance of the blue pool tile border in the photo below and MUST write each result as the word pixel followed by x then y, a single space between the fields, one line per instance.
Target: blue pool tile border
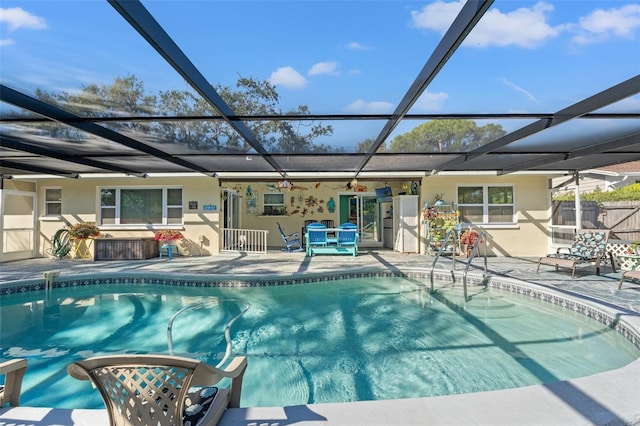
pixel 531 291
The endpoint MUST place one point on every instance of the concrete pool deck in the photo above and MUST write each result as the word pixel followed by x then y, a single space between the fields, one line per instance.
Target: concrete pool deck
pixel 609 398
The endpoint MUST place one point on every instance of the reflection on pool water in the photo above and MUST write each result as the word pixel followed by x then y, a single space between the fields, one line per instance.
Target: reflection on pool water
pixel 335 341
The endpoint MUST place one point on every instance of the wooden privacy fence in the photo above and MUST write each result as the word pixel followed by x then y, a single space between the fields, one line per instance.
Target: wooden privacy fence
pixel 622 218
pixel 244 240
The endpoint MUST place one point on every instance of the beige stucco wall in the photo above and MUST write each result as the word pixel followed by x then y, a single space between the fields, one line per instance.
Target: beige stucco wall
pixel 529 237
pixel 19 185
pixel 80 202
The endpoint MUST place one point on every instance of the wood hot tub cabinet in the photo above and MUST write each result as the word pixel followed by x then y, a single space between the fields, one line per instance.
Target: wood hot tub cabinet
pixel 125 248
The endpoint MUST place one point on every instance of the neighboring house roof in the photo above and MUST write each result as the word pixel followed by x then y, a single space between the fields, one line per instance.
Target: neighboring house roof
pixel 630 168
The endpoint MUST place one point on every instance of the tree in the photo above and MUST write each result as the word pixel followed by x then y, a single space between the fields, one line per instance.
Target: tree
pixel 126 97
pixel 366 144
pixel 446 136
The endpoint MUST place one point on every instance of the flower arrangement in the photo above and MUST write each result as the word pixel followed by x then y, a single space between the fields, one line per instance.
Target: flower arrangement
pixel 168 235
pixel 84 230
pixel 469 237
pixel 634 248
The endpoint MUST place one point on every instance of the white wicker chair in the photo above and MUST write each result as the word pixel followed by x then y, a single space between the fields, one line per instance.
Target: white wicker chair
pixel 14 372
pixel 161 389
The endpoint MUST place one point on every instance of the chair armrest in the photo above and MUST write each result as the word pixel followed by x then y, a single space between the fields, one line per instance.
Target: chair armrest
pixel 14 371
pixel 236 367
pixel 234 370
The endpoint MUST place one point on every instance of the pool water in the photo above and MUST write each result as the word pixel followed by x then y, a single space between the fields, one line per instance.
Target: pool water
pixel 335 341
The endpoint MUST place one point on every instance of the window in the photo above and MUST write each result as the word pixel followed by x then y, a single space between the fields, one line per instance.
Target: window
pixel 141 206
pixel 52 201
pixel 273 204
pixel 486 204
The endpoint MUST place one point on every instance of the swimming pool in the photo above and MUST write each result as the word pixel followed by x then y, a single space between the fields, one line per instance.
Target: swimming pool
pixel 363 338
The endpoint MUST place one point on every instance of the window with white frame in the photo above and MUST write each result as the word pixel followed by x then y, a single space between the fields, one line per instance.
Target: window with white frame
pixel 273 204
pixel 53 201
pixel 141 206
pixel 489 204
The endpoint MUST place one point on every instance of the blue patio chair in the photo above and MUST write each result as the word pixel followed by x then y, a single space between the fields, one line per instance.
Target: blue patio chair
pixel 291 241
pixel 316 236
pixel 348 236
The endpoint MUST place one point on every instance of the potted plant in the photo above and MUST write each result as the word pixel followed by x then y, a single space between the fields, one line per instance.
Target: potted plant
pixel 84 230
pixel 468 239
pixel 634 248
pixel 82 234
pixel 166 236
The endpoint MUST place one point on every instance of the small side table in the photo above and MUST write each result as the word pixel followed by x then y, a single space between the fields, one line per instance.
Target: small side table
pixel 169 250
pixel 82 248
pixel 634 272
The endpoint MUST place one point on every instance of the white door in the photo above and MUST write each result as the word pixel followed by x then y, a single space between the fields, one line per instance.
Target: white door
pixel 231 216
pixel 17 225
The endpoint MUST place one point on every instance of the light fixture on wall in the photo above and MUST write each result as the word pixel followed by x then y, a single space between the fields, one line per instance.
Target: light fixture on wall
pixel 285 184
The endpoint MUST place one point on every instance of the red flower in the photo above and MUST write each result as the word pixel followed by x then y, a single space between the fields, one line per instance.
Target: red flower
pixel 168 235
pixel 469 237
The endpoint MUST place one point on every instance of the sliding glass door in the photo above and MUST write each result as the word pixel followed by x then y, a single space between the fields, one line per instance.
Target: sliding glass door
pixel 362 208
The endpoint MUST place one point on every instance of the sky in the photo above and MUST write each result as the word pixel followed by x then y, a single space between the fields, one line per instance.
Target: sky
pixel 338 57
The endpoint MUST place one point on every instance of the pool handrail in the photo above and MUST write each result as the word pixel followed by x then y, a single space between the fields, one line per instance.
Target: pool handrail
pixel 442 248
pixel 481 240
pixel 227 328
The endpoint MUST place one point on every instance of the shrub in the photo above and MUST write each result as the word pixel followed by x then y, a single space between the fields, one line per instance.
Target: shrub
pixel 626 193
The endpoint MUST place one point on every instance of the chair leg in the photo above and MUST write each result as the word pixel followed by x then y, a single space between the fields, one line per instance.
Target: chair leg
pixel 621 281
pixel 573 271
pixel 613 263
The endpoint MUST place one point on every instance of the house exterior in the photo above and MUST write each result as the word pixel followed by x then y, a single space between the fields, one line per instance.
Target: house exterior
pixel 513 209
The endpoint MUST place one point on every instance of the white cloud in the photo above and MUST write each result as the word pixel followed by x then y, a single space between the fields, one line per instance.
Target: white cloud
pixel 16 17
pixel 6 42
pixel 495 28
pixel 601 25
pixel 288 78
pixel 354 45
pixel 431 101
pixel 329 68
pixel 519 89
pixel 375 107
pixel 437 16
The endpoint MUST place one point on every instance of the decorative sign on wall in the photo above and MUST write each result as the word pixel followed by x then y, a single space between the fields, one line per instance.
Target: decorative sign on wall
pixel 210 207
pixel 252 200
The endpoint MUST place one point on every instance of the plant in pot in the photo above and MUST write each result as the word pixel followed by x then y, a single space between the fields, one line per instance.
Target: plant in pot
pixel 468 239
pixel 83 233
pixel 167 236
pixel 84 230
pixel 634 248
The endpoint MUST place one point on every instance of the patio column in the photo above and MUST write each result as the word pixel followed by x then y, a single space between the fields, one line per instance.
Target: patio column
pixel 578 204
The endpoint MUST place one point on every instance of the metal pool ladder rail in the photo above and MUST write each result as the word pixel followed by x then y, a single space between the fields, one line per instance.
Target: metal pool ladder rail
pixel 210 304
pixel 482 237
pixel 481 240
pixel 442 248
